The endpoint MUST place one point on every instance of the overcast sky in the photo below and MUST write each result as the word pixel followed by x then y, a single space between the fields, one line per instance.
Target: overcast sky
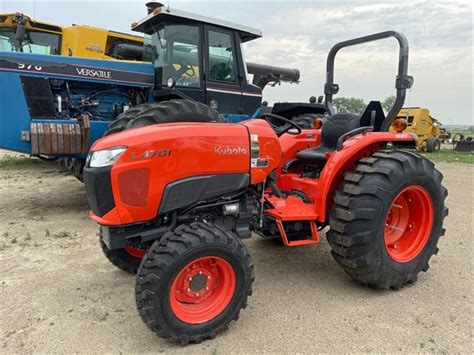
pixel 299 34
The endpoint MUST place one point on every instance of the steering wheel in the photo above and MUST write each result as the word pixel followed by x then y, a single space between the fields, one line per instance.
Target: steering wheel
pixel 281 130
pixel 186 68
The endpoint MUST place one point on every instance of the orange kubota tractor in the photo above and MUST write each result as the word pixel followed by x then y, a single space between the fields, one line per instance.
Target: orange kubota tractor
pixel 174 201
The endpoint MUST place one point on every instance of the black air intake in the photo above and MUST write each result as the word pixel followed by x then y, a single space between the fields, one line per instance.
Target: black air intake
pixel 39 97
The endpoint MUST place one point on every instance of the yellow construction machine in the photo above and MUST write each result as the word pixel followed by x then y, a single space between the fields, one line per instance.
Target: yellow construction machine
pixel 20 33
pixel 427 128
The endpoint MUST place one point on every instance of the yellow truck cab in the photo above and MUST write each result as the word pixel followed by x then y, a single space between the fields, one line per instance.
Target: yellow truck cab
pixel 426 127
pixel 20 33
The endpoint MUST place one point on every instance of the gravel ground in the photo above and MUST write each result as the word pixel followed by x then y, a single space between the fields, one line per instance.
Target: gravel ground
pixel 59 293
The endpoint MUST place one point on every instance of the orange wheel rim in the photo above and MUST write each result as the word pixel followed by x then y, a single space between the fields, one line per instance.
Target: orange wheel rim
pixel 408 224
pixel 202 290
pixel 135 252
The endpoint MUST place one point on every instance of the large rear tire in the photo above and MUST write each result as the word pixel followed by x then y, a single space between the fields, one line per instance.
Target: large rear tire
pixel 194 282
pixel 178 110
pixel 121 121
pixel 387 218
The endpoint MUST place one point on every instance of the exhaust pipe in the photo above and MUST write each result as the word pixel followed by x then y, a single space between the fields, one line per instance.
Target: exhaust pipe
pixel 268 74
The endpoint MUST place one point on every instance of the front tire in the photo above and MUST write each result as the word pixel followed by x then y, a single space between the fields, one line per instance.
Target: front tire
pixel 387 218
pixel 127 259
pixel 194 282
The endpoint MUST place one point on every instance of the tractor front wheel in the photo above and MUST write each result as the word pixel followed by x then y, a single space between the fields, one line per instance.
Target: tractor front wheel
pixel 194 282
pixel 127 259
pixel 387 218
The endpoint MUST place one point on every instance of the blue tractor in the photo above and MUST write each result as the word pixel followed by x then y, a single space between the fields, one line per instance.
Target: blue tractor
pixel 193 69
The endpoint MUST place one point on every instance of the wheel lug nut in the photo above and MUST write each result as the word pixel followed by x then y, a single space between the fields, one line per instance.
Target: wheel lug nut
pixel 207 288
pixel 188 290
pixel 197 294
pixel 190 279
pixel 200 272
pixel 209 277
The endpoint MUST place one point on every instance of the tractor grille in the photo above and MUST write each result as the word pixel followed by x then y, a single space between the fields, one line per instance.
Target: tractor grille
pixel 99 190
pixel 39 97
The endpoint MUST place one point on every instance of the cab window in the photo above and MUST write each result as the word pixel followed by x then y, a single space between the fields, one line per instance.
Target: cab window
pixel 6 41
pixel 174 50
pixel 34 42
pixel 221 57
pixel 41 43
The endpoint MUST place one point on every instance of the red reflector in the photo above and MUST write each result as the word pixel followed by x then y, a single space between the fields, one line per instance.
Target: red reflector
pixel 133 185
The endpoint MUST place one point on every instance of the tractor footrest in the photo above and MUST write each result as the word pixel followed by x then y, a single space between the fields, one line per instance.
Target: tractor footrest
pixel 292 209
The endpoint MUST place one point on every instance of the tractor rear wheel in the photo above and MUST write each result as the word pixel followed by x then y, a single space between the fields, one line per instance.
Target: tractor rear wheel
pixel 179 110
pixel 121 121
pixel 387 218
pixel 127 259
pixel 194 282
pixel 433 145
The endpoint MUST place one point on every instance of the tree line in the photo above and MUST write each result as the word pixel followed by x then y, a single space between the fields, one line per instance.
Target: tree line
pixel 358 106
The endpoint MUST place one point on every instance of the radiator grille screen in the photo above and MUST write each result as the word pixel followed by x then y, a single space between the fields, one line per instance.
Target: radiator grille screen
pixel 39 97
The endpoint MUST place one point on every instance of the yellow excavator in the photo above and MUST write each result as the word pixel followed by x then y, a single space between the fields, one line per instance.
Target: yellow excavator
pixel 21 33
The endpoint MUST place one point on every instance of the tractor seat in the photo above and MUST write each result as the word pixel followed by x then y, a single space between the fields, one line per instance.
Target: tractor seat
pixel 334 127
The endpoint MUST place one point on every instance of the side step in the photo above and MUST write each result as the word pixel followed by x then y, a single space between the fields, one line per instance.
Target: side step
pixel 292 209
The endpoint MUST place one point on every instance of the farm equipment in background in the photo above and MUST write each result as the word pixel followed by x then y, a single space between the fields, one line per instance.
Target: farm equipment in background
pixel 427 128
pixel 174 200
pixel 20 33
pixel 445 136
pixel 56 106
pixel 461 143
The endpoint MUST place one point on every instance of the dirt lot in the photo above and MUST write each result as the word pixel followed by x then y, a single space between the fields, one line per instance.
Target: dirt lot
pixel 59 294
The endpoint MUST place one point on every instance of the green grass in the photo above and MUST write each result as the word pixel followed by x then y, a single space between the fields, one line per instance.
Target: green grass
pixel 450 156
pixel 17 160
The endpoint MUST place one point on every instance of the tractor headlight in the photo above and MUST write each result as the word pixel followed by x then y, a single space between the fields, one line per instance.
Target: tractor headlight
pixel 106 157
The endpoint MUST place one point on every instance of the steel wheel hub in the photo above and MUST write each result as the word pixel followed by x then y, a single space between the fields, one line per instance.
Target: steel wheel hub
pixel 408 224
pixel 202 290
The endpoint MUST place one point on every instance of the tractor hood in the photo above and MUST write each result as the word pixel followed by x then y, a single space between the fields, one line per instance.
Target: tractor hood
pixel 157 169
pixel 172 134
pixel 164 167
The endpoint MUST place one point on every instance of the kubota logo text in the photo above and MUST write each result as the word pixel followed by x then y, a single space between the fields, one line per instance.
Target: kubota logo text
pixel 230 150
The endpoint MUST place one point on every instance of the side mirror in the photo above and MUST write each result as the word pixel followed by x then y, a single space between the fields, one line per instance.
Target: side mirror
pixel 20 32
pixel 20 29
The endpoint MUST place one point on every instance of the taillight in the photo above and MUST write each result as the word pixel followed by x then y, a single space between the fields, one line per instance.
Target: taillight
pixel 133 186
pixel 399 125
pixel 317 123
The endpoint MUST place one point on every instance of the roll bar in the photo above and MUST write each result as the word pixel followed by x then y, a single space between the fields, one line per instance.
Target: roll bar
pixel 402 83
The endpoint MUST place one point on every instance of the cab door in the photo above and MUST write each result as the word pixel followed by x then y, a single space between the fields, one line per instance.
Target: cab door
pixel 223 89
pixel 251 98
